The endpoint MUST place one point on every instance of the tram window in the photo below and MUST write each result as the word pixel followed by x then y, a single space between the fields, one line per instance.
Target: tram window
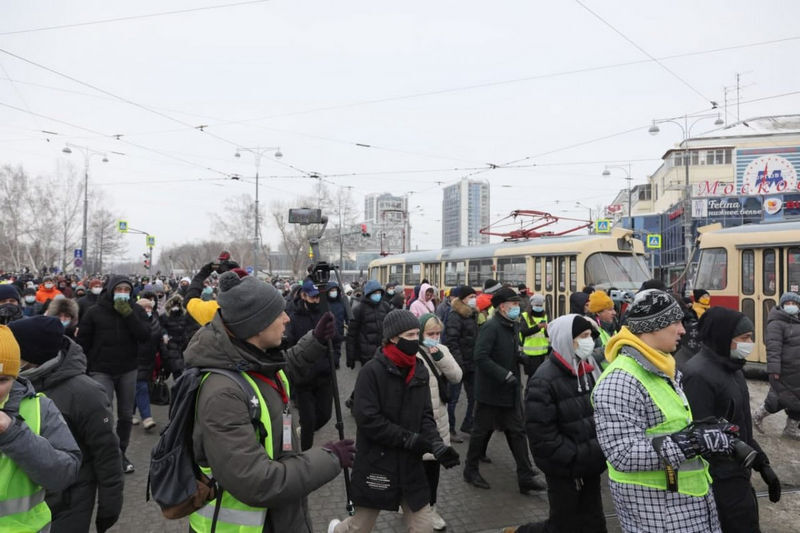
pixel 396 274
pixel 537 275
pixel 562 305
pixel 479 271
pixel 412 275
pixel 749 309
pixel 548 274
pixel 620 270
pixel 712 271
pixel 562 274
pixel 793 272
pixel 769 273
pixel 511 270
pixel 455 273
pixel 573 273
pixel 748 272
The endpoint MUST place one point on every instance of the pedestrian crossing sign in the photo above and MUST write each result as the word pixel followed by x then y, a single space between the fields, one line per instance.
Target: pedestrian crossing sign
pixel 602 225
pixel 654 240
pixel 151 241
pixel 122 226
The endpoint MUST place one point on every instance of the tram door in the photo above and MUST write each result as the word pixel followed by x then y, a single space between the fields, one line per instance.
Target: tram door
pixel 554 277
pixel 762 277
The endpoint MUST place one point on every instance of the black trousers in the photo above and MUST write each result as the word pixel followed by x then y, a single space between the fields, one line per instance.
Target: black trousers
pixel 314 403
pixel 508 420
pixel 432 469
pixel 531 363
pixel 736 504
pixel 575 507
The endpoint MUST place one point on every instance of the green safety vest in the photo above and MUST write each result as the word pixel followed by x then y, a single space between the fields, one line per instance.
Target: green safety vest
pixel 537 344
pixel 22 505
pixel 693 476
pixel 604 335
pixel 235 516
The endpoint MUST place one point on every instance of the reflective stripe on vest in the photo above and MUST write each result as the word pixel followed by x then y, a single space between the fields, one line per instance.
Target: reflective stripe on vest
pixel 537 344
pixel 235 516
pixel 693 476
pixel 22 505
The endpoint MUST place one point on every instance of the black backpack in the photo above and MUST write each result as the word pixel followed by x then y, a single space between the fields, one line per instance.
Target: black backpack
pixel 175 481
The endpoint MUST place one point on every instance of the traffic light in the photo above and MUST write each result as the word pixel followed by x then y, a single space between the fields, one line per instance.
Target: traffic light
pixel 364 232
pixel 146 261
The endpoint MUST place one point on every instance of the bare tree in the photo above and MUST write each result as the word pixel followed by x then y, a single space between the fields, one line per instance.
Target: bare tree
pixel 106 241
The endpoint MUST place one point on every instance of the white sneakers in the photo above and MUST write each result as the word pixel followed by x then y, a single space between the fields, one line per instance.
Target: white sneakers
pixel 335 522
pixel 436 519
pixel 148 423
pixel 135 420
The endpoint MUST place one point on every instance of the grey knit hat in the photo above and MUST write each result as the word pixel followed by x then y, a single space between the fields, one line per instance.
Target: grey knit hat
pixel 398 321
pixel 652 310
pixel 790 297
pixel 247 305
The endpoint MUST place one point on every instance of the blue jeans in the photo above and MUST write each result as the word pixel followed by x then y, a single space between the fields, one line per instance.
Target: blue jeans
pixel 143 398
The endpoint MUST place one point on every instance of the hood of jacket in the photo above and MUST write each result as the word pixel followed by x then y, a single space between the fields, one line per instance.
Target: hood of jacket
pixel 778 314
pixel 212 347
pixel 333 285
pixel 716 331
pixel 108 291
pixel 22 388
pixel 463 309
pixel 372 286
pixel 70 362
pixel 66 306
pixel 577 301
pixel 423 289
pixel 174 300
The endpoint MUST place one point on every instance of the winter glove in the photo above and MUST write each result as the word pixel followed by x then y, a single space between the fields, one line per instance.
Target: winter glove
pixel 761 465
pixel 706 439
pixel 325 329
pixel 205 271
pixel 123 307
pixel 511 379
pixel 446 455
pixel 104 523
pixel 344 450
pixel 417 444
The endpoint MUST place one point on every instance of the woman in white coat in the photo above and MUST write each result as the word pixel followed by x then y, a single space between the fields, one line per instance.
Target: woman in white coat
pixel 443 369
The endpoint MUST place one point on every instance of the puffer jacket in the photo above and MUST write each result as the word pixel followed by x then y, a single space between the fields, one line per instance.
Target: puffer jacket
pixel 302 319
pixel 461 331
pixel 109 340
pixel 783 356
pixel 423 304
pixel 86 409
pixel 224 438
pixel 146 351
pixel 365 332
pixel 447 367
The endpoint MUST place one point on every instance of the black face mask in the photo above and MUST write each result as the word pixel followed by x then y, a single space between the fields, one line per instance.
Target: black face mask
pixel 312 306
pixel 407 346
pixel 10 312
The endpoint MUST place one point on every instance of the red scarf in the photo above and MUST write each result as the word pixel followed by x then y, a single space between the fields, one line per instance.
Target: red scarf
pixel 401 359
pixel 584 367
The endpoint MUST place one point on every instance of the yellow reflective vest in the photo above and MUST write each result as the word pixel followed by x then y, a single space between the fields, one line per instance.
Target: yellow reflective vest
pixel 537 344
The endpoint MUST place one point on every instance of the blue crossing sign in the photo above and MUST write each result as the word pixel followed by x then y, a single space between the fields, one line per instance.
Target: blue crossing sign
pixel 654 240
pixel 249 270
pixel 122 226
pixel 602 225
pixel 151 240
pixel 78 253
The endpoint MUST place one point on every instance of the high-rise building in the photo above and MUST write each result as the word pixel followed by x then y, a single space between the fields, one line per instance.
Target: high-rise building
pixel 465 210
pixel 386 216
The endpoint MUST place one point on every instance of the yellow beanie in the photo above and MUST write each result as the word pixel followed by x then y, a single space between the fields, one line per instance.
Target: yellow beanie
pixel 9 353
pixel 599 301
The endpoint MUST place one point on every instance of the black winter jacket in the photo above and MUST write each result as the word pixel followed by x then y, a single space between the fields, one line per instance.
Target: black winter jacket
pixel 85 302
pixel 497 352
pixel 387 411
pixel 461 332
pixel 783 356
pixel 559 420
pixel 147 350
pixel 85 407
pixel 365 332
pixel 109 340
pixel 301 321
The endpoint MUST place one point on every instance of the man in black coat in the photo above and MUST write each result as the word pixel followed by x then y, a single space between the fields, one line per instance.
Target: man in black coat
pixel 109 334
pixel 56 366
pixel 715 387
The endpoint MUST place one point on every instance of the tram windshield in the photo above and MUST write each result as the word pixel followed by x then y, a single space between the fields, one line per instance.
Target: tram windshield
pixel 621 271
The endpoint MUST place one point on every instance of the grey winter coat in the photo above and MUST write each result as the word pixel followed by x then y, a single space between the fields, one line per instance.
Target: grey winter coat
pixel 87 411
pixel 224 437
pixel 783 357
pixel 50 459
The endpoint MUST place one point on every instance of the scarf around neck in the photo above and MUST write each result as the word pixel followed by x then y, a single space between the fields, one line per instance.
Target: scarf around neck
pixel 401 359
pixel 662 361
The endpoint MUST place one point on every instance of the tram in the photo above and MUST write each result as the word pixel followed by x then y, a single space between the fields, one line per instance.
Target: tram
pixel 553 266
pixel 747 268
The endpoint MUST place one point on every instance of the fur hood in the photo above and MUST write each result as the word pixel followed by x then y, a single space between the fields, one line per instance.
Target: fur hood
pixel 66 306
pixel 175 299
pixel 462 309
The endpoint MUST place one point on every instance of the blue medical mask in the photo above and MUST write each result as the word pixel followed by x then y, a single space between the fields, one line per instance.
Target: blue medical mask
pixel 430 343
pixel 537 309
pixel 790 308
pixel 390 292
pixel 124 296
pixel 65 323
pixel 513 313
pixel 208 290
pixel 332 295
pixel 375 297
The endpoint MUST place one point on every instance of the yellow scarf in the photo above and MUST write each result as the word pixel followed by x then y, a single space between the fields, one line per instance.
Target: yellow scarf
pixel 701 307
pixel 662 361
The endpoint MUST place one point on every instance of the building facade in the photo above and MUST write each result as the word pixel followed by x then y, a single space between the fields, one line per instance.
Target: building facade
pixel 386 217
pixel 465 210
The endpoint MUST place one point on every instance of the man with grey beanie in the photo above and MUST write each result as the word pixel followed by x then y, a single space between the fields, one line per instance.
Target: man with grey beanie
pixel 268 472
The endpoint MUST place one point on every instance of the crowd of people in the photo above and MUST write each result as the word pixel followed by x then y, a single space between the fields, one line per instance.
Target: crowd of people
pixel 647 386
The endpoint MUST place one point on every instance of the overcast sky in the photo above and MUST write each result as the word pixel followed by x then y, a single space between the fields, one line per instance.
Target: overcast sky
pixel 431 86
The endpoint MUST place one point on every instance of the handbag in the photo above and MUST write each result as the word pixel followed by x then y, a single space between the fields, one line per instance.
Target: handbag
pixel 159 389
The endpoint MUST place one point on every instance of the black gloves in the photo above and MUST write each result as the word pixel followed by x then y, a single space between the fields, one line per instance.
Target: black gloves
pixel 417 443
pixel 761 465
pixel 511 379
pixel 205 271
pixel 104 523
pixel 446 455
pixel 343 449
pixel 325 329
pixel 533 330
pixel 706 439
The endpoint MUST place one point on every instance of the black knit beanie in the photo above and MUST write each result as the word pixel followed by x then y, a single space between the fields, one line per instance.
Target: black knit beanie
pixel 39 338
pixel 398 321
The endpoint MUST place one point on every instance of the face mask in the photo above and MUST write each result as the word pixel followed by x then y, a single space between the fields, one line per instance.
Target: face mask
pixel 74 285
pixel 473 303
pixel 66 323
pixel 48 285
pixel 175 309
pixel 149 314
pixel 513 313
pixel 408 347
pixel 124 296
pixel 96 290
pixel 791 309
pixel 9 312
pixel 332 295
pixel 390 292
pixel 430 343
pixel 742 350
pixel 30 299
pixel 376 297
pixel 207 290
pixel 537 309
pixel 312 306
pixel 585 348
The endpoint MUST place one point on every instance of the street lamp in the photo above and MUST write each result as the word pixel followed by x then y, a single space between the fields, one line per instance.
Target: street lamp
pixel 686 128
pixel 578 204
pixel 87 154
pixel 627 170
pixel 258 152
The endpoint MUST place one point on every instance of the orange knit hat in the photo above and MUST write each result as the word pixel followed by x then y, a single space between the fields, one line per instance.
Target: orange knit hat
pixel 599 301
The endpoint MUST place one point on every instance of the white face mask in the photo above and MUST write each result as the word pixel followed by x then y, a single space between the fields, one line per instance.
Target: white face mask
pixel 585 348
pixel 96 290
pixel 790 308
pixel 473 303
pixel 742 350
pixel 48 285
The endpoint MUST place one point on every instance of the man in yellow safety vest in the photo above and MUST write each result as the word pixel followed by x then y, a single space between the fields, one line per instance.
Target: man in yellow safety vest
pixel 601 307
pixel 533 334
pixel 655 453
